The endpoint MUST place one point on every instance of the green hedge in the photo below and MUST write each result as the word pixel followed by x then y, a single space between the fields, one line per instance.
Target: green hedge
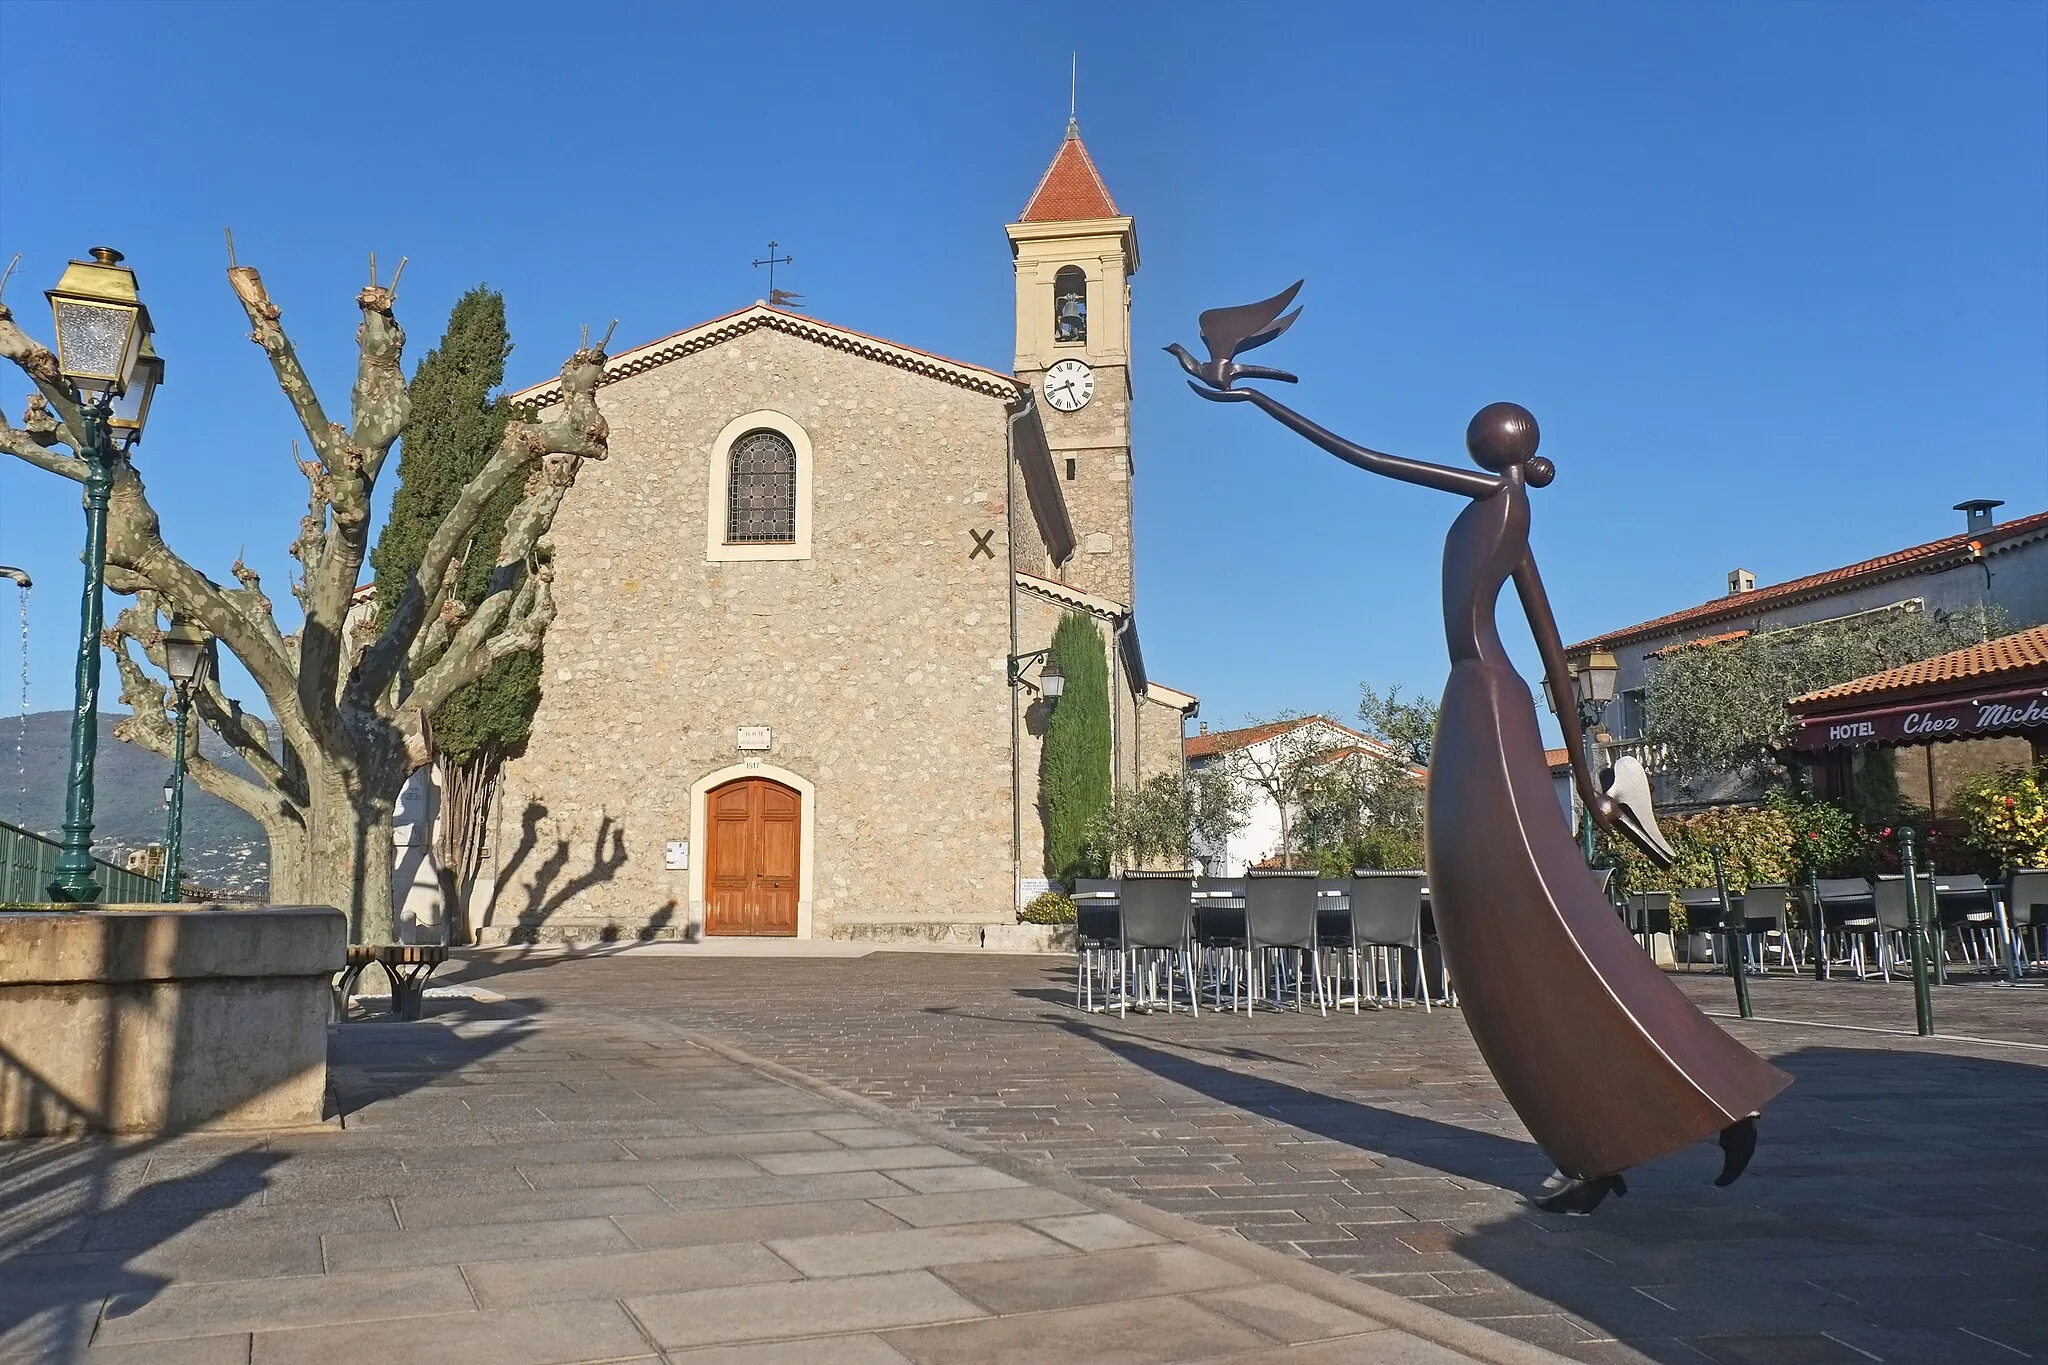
pixel 1376 848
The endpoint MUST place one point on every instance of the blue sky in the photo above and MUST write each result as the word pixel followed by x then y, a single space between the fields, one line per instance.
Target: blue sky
pixel 1773 277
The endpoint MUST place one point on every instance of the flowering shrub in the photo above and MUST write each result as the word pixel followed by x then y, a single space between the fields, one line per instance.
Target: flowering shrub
pixel 1757 845
pixel 1051 907
pixel 2004 817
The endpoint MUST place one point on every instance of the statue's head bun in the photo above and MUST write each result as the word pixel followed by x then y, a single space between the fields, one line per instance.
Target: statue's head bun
pixel 1504 434
pixel 1538 471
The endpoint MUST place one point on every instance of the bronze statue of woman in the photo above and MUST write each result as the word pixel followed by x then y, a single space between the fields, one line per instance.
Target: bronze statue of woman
pixel 1606 1062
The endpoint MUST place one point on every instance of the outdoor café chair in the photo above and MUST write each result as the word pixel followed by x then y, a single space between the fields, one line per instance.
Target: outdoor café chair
pixel 1767 910
pixel 1158 928
pixel 1649 913
pixel 1280 918
pixel 1960 903
pixel 1841 906
pixel 1333 918
pixel 1219 932
pixel 1702 906
pixel 1098 932
pixel 1385 920
pixel 1894 920
pixel 2026 909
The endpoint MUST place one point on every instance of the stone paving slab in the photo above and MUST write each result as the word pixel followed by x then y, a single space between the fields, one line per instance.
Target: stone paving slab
pixel 739 1214
pixel 1897 1209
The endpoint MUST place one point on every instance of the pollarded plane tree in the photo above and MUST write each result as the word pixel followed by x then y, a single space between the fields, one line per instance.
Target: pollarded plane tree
pixel 353 716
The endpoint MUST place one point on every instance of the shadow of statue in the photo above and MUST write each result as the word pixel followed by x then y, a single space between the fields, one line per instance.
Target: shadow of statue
pixel 1899 1201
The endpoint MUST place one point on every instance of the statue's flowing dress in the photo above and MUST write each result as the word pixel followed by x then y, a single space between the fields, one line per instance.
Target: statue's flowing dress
pixel 1606 1062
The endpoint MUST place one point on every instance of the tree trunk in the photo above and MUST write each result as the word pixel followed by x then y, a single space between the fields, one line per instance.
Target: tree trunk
pixel 349 855
pixel 289 883
pixel 466 789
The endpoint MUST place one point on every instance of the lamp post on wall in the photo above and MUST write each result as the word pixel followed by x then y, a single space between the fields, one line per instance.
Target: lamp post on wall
pixel 186 659
pixel 1051 681
pixel 105 358
pixel 1593 682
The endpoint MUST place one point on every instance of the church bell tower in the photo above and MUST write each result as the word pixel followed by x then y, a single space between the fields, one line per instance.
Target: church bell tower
pixel 1074 256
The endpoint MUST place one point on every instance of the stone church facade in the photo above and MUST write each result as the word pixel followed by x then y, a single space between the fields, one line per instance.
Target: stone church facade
pixel 779 695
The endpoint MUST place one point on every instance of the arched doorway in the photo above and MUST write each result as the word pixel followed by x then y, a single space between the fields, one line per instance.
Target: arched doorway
pixel 753 838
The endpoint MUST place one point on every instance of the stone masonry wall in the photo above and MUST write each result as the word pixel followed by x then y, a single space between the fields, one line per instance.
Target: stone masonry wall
pixel 877 663
pixel 1159 740
pixel 1097 440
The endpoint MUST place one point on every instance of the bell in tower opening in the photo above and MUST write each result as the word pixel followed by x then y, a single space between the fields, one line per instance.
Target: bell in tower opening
pixel 1070 304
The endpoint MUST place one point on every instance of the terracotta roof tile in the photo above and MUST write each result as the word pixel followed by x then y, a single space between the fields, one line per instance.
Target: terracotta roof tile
pixel 1557 758
pixel 1959 548
pixel 1723 638
pixel 1994 659
pixel 1223 741
pixel 1071 187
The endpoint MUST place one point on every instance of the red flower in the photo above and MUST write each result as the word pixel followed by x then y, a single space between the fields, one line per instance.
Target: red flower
pixel 2010 803
pixel 1813 834
pixel 1887 832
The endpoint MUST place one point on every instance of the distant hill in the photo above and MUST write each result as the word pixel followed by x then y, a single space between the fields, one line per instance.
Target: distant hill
pixel 224 849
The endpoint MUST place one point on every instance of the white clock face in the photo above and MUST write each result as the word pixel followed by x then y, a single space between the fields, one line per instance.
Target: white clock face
pixel 1069 385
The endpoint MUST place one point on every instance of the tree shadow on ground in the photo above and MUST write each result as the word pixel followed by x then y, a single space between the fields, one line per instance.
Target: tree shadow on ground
pixel 548 890
pixel 1897 1208
pixel 99 1225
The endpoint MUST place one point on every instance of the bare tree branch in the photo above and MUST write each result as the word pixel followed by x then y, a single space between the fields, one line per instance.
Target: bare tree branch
pixel 39 363
pixel 151 724
pixel 526 612
pixel 571 433
pixel 23 445
pixel 327 438
pixel 381 402
pixel 349 461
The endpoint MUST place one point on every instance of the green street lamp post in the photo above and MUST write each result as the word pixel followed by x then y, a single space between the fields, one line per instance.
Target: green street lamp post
pixel 104 358
pixel 1593 680
pixel 186 660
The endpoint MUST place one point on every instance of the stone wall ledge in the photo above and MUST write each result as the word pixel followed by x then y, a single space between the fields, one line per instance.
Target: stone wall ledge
pixel 109 944
pixel 157 1020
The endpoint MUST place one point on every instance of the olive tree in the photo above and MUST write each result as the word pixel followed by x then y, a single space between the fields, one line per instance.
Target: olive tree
pixel 1721 708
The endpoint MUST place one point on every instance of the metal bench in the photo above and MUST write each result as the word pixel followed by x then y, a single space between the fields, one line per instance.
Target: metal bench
pixel 406 965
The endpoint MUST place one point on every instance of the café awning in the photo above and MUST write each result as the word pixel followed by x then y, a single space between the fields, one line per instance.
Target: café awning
pixel 1999 687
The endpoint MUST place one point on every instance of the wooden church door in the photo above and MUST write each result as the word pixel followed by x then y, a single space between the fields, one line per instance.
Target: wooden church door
pixel 750 877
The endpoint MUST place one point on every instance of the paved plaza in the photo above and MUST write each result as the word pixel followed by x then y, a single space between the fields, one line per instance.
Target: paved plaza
pixel 658 1154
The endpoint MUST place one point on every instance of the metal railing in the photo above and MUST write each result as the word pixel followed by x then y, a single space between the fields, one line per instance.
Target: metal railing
pixel 27 862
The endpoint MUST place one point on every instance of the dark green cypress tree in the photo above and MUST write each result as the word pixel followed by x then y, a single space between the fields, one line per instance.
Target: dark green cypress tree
pixel 454 427
pixel 457 422
pixel 1074 780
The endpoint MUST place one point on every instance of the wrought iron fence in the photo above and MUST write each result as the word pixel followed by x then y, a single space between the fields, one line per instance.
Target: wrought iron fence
pixel 27 862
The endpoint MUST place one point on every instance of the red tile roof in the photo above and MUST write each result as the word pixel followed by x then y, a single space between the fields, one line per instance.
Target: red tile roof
pixel 1557 758
pixel 1723 638
pixel 2007 659
pixel 1071 187
pixel 1223 741
pixel 1934 554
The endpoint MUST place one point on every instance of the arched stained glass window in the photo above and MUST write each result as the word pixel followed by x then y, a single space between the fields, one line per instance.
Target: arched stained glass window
pixel 1070 304
pixel 761 492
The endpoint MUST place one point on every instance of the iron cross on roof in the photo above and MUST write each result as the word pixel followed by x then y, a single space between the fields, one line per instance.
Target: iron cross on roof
pixel 778 298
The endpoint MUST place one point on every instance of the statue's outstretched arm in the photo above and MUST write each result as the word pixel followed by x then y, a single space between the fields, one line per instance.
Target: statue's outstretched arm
pixel 1469 482
pixel 1543 625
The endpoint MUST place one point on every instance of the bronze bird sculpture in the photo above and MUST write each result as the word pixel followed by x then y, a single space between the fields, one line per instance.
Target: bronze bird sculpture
pixel 1229 333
